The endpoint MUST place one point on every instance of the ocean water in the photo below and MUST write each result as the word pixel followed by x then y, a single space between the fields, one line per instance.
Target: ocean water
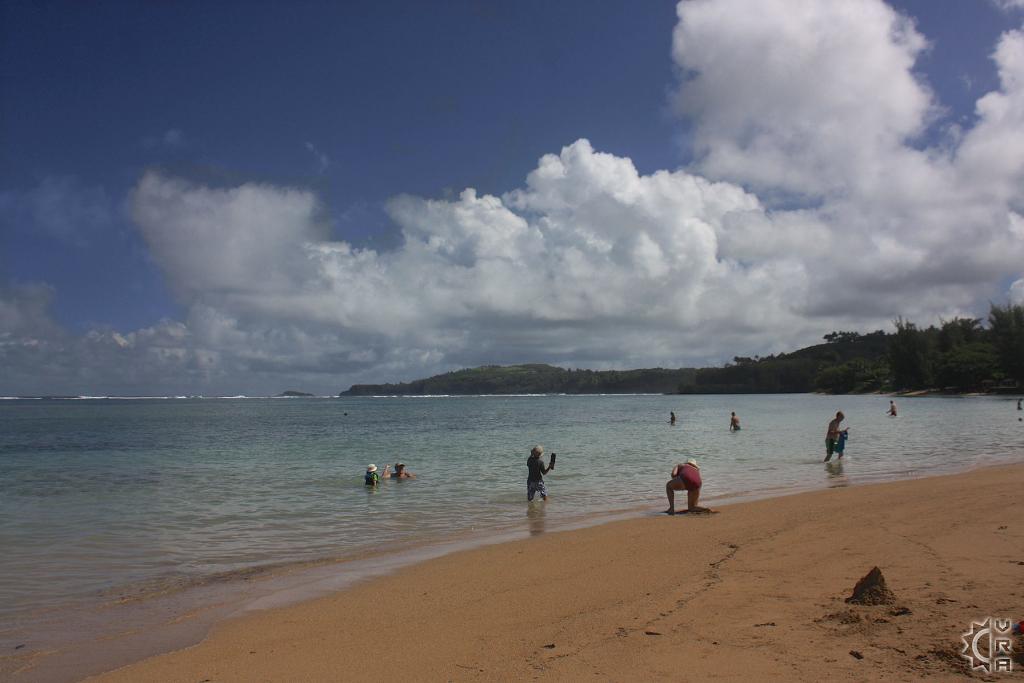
pixel 104 497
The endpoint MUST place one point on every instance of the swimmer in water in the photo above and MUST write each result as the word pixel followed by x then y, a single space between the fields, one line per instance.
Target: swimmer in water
pixel 402 473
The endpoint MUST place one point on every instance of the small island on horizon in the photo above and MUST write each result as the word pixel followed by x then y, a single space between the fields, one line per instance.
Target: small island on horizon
pixel 291 393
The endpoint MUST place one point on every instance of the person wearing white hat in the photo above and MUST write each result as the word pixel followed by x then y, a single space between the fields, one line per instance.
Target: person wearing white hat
pixel 685 477
pixel 372 478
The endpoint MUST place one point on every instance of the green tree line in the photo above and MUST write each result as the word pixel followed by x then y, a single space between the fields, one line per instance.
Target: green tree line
pixel 961 354
pixel 958 355
pixel 533 379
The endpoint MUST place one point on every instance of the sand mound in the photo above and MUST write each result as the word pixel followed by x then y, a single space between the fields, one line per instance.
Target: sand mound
pixel 871 590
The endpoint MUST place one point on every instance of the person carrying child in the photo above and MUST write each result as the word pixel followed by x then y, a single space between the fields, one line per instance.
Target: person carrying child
pixel 832 435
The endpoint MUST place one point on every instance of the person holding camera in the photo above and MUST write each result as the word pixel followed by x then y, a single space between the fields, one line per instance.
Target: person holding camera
pixel 537 469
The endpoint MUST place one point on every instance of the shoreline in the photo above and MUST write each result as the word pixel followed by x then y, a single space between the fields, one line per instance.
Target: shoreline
pixel 182 613
pixel 745 591
pixel 279 604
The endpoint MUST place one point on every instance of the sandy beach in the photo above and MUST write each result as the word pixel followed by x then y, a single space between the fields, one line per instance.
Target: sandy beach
pixel 757 590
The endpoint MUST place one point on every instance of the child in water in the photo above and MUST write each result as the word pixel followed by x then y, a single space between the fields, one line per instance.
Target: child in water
pixel 841 441
pixel 372 478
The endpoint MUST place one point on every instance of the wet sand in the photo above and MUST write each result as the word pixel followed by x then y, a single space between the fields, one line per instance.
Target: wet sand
pixel 754 592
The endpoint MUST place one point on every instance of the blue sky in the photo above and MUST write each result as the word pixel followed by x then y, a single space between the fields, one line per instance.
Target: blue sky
pixel 376 109
pixel 422 98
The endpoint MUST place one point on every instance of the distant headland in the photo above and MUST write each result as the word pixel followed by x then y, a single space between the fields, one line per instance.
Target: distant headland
pixel 962 355
pixel 534 378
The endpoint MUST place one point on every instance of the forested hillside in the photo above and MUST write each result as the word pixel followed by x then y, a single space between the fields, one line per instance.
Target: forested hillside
pixel 962 354
pixel 533 379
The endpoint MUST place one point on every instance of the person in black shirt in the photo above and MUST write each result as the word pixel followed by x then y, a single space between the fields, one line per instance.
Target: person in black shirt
pixel 537 470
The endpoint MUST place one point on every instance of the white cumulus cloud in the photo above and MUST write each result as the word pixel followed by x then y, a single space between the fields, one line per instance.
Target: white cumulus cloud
pixel 590 261
pixel 804 96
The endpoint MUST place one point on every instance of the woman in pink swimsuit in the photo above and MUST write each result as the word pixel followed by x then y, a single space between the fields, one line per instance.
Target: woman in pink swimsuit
pixel 686 477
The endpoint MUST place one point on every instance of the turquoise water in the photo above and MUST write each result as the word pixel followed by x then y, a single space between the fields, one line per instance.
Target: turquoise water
pixel 102 496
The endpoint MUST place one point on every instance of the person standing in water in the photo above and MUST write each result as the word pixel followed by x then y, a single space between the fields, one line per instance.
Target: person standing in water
pixel 401 473
pixel 734 423
pixel 832 435
pixel 372 478
pixel 1018 404
pixel 685 476
pixel 892 409
pixel 537 470
pixel 672 418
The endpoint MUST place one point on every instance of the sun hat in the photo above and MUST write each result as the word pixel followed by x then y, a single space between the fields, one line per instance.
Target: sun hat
pixel 371 468
pixel 399 464
pixel 691 461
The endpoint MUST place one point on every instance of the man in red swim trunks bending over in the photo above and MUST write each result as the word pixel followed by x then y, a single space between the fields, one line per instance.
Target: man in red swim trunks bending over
pixel 685 476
